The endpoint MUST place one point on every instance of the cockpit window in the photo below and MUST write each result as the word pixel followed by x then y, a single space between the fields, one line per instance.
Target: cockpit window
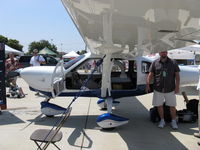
pixel 145 67
pixel 73 61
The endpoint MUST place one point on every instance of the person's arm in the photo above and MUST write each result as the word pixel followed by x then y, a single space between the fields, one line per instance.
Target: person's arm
pixel 150 77
pixel 177 77
pixel 41 60
pixel 148 80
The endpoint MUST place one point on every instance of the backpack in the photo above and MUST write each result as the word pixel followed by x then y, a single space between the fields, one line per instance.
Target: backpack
pixel 186 116
pixel 154 116
pixel 192 106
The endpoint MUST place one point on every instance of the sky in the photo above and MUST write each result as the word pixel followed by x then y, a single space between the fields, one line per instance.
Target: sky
pixel 35 20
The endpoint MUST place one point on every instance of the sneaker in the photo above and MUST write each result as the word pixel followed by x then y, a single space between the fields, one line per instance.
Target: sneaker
pixel 197 135
pixel 161 124
pixel 37 93
pixel 22 96
pixel 174 125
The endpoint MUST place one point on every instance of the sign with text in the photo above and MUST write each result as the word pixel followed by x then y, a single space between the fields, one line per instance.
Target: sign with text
pixel 3 104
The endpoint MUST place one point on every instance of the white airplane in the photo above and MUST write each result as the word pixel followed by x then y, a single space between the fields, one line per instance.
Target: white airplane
pixel 118 34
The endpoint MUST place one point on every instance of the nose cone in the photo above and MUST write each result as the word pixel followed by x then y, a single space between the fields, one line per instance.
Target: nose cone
pixel 38 77
pixel 29 73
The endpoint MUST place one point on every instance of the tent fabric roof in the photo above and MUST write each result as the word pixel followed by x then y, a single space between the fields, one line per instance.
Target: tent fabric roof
pixel 47 51
pixel 193 48
pixel 12 50
pixel 71 54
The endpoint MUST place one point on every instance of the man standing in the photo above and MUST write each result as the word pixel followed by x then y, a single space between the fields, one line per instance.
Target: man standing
pixel 165 73
pixel 36 60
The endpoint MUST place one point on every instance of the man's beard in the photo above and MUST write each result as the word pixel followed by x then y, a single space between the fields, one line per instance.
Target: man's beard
pixel 163 57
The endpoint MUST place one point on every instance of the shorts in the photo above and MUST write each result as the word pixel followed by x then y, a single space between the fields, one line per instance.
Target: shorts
pixel 159 98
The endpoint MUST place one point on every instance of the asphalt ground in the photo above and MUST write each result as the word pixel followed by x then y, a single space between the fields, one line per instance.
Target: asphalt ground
pixel 80 131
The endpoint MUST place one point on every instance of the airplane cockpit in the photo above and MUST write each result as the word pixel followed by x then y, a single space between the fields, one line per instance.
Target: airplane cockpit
pixel 123 75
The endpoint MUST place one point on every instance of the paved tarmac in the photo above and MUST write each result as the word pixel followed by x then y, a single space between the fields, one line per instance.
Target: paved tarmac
pixel 80 131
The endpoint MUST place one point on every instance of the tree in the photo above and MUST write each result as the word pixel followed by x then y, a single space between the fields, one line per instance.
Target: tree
pixel 11 42
pixel 14 44
pixel 3 39
pixel 40 45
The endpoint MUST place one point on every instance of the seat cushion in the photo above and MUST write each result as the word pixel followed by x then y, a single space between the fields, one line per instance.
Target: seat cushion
pixel 41 135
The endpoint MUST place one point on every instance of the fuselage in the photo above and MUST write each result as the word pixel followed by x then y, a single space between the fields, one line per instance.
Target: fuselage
pixel 124 83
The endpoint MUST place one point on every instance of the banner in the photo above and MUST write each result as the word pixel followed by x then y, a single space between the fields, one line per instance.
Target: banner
pixel 3 104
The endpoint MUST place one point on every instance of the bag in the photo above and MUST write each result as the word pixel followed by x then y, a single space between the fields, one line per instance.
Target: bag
pixel 186 116
pixel 154 116
pixel 192 106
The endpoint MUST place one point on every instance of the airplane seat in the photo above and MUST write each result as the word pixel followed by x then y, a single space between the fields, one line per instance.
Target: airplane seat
pixel 123 75
pixel 93 85
pixel 76 80
pixel 122 68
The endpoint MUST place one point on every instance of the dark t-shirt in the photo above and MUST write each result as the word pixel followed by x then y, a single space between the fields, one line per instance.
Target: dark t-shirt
pixel 164 75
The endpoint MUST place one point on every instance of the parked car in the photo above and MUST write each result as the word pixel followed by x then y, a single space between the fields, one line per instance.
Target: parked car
pixel 25 61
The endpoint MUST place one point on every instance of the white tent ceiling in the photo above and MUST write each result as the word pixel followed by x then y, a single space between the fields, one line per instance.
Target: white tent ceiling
pixel 71 54
pixel 11 50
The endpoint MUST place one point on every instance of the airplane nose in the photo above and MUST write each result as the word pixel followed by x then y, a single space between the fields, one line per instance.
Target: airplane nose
pixel 38 77
pixel 18 71
pixel 28 73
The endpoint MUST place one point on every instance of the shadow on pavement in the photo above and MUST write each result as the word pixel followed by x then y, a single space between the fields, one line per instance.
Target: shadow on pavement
pixel 142 134
pixel 7 118
pixel 139 134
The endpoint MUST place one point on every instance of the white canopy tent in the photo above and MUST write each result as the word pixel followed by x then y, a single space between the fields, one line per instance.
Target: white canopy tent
pixel 188 55
pixel 192 48
pixel 11 50
pixel 71 54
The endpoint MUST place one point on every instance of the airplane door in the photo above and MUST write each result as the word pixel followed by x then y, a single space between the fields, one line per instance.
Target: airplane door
pixel 58 79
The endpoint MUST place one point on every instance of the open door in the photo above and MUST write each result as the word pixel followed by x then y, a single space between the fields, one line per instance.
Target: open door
pixel 58 79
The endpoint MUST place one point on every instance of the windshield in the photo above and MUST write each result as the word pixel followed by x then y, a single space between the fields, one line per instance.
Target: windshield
pixel 73 61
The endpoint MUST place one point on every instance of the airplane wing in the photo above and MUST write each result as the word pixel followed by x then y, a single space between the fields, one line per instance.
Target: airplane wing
pixel 135 27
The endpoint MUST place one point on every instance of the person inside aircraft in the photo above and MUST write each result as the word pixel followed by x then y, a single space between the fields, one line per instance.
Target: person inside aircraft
pixel 76 80
pixel 165 73
pixel 11 65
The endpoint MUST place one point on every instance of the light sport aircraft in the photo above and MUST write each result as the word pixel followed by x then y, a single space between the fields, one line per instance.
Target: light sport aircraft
pixel 119 33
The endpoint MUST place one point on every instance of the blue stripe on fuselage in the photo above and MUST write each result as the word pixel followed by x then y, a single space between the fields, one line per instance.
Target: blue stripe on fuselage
pixel 140 90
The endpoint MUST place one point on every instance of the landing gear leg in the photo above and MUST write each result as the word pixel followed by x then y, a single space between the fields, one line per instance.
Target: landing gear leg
pixel 108 120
